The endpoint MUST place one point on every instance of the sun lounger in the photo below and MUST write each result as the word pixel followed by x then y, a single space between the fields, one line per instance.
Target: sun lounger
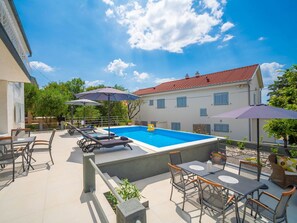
pixel 83 141
pixel 94 143
pixel 72 129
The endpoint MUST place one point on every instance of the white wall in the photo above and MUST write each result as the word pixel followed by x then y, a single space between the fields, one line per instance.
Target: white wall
pixel 3 107
pixel 196 99
pixel 12 113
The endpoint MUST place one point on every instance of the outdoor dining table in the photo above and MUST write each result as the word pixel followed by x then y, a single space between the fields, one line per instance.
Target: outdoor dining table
pixel 25 141
pixel 241 186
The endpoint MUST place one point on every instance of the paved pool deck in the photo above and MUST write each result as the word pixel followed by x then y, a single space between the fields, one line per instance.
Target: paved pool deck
pixel 54 193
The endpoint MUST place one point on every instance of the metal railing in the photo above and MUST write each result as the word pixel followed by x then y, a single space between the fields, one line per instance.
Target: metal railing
pixel 111 188
pixel 137 213
pixel 101 121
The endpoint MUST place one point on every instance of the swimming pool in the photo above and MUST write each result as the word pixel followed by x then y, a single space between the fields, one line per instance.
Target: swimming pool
pixel 159 138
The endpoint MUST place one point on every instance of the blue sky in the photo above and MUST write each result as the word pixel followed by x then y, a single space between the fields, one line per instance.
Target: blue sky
pixel 139 44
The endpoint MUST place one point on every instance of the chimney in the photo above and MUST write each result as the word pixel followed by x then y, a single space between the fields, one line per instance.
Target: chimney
pixel 207 79
pixel 197 74
pixel 187 76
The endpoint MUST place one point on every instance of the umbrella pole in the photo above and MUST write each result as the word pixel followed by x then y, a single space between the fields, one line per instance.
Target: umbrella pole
pixel 258 150
pixel 84 114
pixel 108 117
pixel 72 107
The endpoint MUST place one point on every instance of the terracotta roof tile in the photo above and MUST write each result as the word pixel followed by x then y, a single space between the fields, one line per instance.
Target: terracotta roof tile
pixel 222 77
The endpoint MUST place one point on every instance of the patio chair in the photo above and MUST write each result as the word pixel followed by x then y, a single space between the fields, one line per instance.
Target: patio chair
pixel 279 176
pixel 7 154
pixel 175 157
pixel 214 196
pixel 180 182
pixel 21 133
pixel 277 213
pixel 249 169
pixel 44 145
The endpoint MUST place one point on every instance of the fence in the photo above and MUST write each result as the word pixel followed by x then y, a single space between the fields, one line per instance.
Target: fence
pixel 126 211
pixel 46 123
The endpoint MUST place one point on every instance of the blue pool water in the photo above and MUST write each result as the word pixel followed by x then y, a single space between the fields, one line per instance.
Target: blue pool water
pixel 159 137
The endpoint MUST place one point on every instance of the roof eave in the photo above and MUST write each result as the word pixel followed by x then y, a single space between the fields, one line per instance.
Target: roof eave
pixel 16 15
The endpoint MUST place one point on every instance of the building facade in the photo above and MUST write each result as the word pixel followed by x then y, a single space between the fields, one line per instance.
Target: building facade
pixel 14 52
pixel 188 104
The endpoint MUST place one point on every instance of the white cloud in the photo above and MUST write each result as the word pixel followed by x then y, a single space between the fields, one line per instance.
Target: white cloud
pixel 37 65
pixel 118 67
pixel 261 38
pixel 227 37
pixel 170 25
pixel 226 26
pixel 270 71
pixel 139 77
pixel 109 13
pixel 162 80
pixel 93 83
pixel 108 2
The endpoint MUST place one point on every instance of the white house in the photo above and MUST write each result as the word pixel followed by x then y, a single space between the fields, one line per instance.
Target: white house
pixel 14 52
pixel 187 104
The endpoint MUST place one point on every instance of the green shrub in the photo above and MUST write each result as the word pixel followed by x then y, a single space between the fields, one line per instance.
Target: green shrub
pixel 293 152
pixel 126 190
pixel 241 144
pixel 274 150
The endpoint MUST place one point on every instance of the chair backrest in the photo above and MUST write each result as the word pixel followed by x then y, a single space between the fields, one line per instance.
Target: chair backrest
pixel 212 194
pixel 249 169
pixel 21 132
pixel 280 209
pixel 175 157
pixel 8 148
pixel 177 175
pixel 52 136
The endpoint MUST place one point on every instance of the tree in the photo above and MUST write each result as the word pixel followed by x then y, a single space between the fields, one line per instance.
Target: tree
pixel 51 102
pixel 283 93
pixel 134 108
pixel 31 93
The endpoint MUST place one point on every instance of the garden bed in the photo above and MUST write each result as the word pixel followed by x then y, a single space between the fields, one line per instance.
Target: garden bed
pixel 234 155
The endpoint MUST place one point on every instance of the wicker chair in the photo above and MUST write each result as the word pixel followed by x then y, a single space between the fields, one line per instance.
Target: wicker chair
pixel 279 175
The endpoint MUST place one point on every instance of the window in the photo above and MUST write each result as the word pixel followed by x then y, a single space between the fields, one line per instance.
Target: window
pixel 221 98
pixel 221 127
pixel 161 103
pixel 175 125
pixel 181 102
pixel 151 102
pixel 203 112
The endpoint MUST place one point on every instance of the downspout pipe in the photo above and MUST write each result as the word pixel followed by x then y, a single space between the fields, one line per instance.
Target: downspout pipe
pixel 249 103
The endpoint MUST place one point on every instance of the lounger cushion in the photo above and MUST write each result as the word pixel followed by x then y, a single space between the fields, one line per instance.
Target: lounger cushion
pixel 124 138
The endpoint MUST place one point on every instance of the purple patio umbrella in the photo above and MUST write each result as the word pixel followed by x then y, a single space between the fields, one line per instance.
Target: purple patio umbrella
pixel 259 112
pixel 107 94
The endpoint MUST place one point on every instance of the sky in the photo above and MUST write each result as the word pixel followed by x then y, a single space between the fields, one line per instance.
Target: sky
pixel 139 44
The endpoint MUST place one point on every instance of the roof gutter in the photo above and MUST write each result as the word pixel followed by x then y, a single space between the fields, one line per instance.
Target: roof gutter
pixel 16 15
